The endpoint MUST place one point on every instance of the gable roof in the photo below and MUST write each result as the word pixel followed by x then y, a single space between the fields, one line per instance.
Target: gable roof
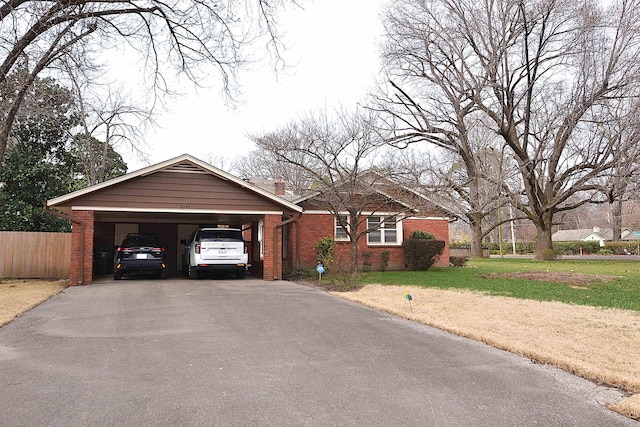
pixel 185 164
pixel 625 234
pixel 397 193
pixel 573 235
pixel 593 233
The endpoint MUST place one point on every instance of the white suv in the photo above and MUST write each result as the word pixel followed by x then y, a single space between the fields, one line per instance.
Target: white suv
pixel 215 249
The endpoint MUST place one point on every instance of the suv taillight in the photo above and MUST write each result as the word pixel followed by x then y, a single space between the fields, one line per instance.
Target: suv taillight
pixel 197 247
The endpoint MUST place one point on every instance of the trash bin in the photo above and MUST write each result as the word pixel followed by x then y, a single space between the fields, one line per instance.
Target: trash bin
pixel 103 264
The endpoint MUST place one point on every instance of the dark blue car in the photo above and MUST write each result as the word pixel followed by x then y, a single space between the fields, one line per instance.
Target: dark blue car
pixel 141 254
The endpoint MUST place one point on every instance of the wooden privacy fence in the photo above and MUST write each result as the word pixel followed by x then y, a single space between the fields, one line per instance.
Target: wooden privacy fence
pixel 34 255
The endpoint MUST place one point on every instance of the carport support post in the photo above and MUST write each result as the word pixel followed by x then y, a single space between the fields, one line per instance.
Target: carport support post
pixel 81 267
pixel 272 248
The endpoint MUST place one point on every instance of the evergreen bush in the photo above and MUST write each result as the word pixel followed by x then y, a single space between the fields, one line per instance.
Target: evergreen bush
pixel 421 254
pixel 325 250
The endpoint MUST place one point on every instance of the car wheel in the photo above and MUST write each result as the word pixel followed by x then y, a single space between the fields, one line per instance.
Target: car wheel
pixel 240 274
pixel 164 274
pixel 117 275
pixel 193 274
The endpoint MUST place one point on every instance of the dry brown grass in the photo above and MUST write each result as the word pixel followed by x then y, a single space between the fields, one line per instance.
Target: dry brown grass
pixel 602 345
pixel 20 295
pixel 629 407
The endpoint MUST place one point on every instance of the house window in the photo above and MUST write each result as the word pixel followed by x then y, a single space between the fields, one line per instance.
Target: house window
pixel 340 232
pixel 382 230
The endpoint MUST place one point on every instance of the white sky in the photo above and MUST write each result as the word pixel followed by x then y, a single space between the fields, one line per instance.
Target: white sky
pixel 332 57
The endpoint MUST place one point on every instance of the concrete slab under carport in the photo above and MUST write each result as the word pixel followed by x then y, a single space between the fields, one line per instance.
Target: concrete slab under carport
pixel 169 233
pixel 251 352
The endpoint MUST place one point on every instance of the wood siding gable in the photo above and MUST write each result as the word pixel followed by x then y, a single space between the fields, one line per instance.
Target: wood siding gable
pixel 180 186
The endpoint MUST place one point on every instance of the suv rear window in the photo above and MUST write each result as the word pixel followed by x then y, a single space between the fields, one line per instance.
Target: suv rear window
pixel 141 240
pixel 221 236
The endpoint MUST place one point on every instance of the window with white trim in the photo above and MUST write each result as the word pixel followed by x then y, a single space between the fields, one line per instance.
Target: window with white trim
pixel 339 232
pixel 383 230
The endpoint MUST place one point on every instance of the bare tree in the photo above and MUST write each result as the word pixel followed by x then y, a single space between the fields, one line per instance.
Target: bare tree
pixel 621 182
pixel 339 156
pixel 540 72
pixel 108 119
pixel 470 170
pixel 190 35
pixel 265 164
pixel 442 176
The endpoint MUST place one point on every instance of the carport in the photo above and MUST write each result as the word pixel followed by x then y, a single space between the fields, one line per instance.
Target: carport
pixel 172 199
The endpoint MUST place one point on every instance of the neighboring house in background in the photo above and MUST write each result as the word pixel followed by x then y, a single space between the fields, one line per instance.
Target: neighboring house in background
pixel 626 235
pixel 579 235
pixel 598 234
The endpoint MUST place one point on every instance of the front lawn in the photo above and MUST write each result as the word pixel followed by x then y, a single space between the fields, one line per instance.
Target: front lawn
pixel 599 283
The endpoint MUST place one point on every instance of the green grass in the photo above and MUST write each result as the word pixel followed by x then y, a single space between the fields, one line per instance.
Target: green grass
pixel 623 292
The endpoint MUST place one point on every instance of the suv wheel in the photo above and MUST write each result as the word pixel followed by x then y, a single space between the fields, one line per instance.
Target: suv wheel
pixel 117 275
pixel 193 274
pixel 240 274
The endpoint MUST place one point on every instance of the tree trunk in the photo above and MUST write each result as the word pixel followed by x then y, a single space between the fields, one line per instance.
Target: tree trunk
pixel 354 256
pixel 476 238
pixel 616 220
pixel 544 244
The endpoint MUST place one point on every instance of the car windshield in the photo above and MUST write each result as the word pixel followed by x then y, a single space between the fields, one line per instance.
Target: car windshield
pixel 140 240
pixel 221 235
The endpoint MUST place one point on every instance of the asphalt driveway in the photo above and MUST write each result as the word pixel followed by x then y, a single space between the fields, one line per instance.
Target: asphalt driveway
pixel 252 353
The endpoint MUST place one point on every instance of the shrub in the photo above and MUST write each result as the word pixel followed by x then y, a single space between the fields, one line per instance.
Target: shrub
pixel 422 235
pixel 366 261
pixel 341 277
pixel 459 245
pixel 494 248
pixel 525 247
pixel 325 250
pixel 420 254
pixel 605 252
pixel 458 261
pixel 576 248
pixel 621 248
pixel 549 254
pixel 384 260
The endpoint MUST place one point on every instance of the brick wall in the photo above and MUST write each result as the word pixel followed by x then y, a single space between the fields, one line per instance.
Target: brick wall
pixel 272 261
pixel 439 227
pixel 312 227
pixel 81 262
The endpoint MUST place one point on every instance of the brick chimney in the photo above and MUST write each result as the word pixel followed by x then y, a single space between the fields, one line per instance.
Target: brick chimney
pixel 279 188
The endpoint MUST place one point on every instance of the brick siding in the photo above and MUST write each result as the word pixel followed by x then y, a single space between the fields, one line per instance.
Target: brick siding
pixel 311 227
pixel 81 256
pixel 272 264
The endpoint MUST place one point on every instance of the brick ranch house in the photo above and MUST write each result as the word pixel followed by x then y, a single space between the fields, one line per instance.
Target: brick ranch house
pixel 177 196
pixel 391 214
